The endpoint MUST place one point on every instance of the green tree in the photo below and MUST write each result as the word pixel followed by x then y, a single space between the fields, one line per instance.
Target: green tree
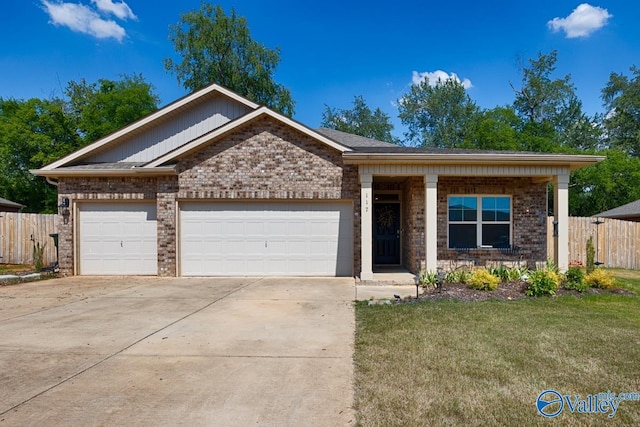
pixel 107 105
pixel 606 185
pixel 542 99
pixel 33 133
pixel 495 129
pixel 360 120
pixel 36 132
pixel 440 115
pixel 621 97
pixel 216 48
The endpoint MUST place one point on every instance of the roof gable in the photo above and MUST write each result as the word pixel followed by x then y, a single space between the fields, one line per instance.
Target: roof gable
pixel 197 143
pixel 162 131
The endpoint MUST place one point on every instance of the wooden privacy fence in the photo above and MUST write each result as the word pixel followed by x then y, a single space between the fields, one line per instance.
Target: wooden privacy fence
pixel 617 242
pixel 19 232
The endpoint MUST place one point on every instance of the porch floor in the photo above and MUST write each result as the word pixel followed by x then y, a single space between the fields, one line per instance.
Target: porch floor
pixel 395 275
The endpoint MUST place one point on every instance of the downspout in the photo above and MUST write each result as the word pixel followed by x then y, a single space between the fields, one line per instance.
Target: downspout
pixel 51 181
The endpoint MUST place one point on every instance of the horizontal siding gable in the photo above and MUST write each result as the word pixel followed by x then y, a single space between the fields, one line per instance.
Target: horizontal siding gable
pixel 174 132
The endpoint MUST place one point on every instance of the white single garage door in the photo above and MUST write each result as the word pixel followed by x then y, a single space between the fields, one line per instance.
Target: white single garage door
pixel 256 239
pixel 118 238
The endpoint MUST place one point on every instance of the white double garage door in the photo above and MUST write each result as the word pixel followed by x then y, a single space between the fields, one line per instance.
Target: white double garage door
pixel 220 238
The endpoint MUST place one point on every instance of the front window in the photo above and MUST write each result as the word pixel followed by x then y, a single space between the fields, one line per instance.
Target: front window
pixel 491 228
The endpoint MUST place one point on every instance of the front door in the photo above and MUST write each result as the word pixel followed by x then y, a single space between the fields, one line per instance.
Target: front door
pixel 386 233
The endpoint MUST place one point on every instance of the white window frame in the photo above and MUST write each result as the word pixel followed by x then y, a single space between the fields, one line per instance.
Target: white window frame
pixel 479 222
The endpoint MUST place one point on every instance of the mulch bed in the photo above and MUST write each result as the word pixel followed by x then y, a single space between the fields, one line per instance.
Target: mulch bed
pixel 505 292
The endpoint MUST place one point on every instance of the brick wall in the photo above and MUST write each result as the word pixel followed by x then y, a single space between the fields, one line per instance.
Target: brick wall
pixel 264 160
pixel 529 211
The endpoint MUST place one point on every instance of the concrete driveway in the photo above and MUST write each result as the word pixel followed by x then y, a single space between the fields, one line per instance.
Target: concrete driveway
pixel 88 351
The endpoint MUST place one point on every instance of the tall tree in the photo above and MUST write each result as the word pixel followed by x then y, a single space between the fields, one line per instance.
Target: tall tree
pixel 216 48
pixel 32 134
pixel 495 129
pixel 621 97
pixel 441 115
pixel 548 106
pixel 360 120
pixel 607 185
pixel 107 105
pixel 36 132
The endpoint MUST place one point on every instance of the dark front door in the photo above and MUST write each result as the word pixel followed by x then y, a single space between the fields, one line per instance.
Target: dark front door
pixel 386 233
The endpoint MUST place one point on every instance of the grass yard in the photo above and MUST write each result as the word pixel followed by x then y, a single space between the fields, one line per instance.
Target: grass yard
pixel 485 363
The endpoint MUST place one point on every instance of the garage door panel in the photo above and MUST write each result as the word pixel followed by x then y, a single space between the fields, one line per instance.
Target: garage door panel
pixel 118 238
pixel 268 239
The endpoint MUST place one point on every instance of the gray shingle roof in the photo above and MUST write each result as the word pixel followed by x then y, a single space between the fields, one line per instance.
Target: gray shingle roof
pixel 104 166
pixel 9 203
pixel 352 141
pixel 630 209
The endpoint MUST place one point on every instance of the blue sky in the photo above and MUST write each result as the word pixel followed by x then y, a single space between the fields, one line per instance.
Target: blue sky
pixel 331 51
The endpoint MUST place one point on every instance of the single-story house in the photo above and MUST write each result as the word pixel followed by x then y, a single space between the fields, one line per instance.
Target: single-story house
pixel 628 212
pixel 214 184
pixel 9 206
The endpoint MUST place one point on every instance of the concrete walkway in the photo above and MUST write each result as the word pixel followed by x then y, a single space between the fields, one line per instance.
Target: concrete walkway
pixel 165 352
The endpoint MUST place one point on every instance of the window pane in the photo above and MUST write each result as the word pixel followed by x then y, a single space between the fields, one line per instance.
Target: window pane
pixel 463 209
pixel 455 215
pixel 462 236
pixel 496 235
pixel 496 209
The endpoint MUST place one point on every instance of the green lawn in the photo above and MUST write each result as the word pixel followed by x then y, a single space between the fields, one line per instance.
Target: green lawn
pixel 485 363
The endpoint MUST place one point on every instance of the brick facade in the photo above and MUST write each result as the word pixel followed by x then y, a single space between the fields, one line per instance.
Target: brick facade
pixel 528 218
pixel 264 160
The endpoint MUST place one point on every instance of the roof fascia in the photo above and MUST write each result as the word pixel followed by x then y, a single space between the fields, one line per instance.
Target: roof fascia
pixel 149 119
pixel 240 121
pixel 573 161
pixel 137 171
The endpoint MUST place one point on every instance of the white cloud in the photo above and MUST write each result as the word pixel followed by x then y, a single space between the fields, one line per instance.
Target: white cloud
pixel 584 20
pixel 434 77
pixel 120 10
pixel 87 20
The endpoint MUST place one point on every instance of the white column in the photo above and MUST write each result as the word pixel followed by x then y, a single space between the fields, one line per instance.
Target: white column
pixel 366 227
pixel 431 222
pixel 561 211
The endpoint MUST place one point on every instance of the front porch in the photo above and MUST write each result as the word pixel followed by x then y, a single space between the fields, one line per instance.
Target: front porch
pixel 424 222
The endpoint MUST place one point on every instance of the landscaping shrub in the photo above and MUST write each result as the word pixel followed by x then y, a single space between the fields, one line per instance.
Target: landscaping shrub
pixel 600 278
pixel 457 276
pixel 542 282
pixel 574 279
pixel 481 279
pixel 427 278
pixel 500 272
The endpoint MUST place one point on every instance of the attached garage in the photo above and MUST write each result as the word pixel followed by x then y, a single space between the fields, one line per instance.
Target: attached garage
pixel 270 238
pixel 117 239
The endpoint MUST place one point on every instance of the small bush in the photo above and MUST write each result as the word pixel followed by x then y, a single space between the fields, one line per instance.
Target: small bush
pixel 38 256
pixel 574 279
pixel 481 279
pixel 600 278
pixel 457 276
pixel 516 274
pixel 427 278
pixel 542 282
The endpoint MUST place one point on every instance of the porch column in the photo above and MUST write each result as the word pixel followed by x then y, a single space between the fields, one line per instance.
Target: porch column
pixel 561 211
pixel 366 227
pixel 431 222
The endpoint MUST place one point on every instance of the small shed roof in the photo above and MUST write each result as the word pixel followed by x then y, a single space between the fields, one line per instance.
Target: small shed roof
pixel 625 211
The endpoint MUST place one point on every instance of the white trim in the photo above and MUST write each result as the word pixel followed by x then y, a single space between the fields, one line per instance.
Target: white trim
pixel 511 159
pixel 234 124
pixel 176 105
pixel 163 170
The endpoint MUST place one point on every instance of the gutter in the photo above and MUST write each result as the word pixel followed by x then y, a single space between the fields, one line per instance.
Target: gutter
pixel 57 173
